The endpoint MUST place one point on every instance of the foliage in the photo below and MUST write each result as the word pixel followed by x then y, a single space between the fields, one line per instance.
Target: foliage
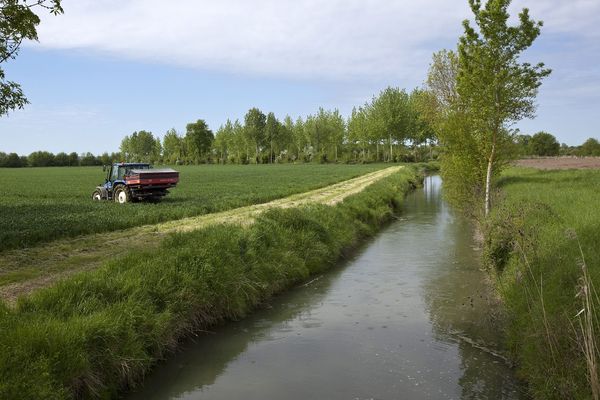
pixel 99 332
pixel 198 141
pixel 544 144
pixel 43 204
pixel 532 243
pixel 590 147
pixel 254 131
pixel 141 147
pixel 493 91
pixel 18 22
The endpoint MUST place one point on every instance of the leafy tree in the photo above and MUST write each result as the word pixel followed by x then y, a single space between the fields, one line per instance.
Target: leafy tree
pixel 254 129
pixel 198 141
pixel 18 22
pixel 495 90
pixel 224 141
pixel 272 131
pixel 73 159
pixel 421 128
pixel 173 147
pixel 140 146
pixel 88 160
pixel 522 143
pixel 61 159
pixel 41 159
pixel 590 147
pixel 392 117
pixel 13 160
pixel 544 144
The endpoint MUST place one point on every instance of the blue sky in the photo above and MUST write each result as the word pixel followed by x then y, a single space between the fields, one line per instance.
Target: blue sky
pixel 107 68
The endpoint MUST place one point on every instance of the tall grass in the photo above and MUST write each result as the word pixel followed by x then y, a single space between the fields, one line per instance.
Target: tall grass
pixel 529 244
pixel 98 333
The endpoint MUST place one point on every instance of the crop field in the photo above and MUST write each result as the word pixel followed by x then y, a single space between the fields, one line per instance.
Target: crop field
pixel 43 204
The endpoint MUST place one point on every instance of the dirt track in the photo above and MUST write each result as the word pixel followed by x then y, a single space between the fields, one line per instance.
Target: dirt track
pixel 24 271
pixel 561 163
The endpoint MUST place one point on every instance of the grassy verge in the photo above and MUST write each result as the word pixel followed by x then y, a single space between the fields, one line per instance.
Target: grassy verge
pixel 543 245
pixel 100 332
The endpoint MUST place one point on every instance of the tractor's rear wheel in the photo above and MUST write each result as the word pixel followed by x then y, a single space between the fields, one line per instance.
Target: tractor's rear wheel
pixel 96 196
pixel 121 195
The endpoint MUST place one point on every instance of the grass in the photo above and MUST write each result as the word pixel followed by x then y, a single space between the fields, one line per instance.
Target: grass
pixel 98 333
pixel 545 224
pixel 43 204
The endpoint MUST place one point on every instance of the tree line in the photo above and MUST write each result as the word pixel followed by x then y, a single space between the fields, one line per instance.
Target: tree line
pixel 389 128
pixel 47 159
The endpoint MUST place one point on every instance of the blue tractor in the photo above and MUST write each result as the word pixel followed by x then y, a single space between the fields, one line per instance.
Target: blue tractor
pixel 127 182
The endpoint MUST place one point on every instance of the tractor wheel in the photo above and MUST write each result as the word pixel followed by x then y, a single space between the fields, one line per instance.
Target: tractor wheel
pixel 121 195
pixel 96 196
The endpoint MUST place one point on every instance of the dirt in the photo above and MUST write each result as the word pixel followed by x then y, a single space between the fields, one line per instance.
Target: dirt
pixel 561 163
pixel 26 270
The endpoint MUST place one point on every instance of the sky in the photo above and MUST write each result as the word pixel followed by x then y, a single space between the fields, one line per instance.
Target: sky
pixel 107 68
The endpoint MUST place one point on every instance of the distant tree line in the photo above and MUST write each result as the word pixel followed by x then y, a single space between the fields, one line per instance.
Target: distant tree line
pixel 545 144
pixel 47 159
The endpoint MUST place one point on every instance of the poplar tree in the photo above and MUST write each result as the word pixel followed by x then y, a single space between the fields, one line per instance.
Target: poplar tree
pixel 495 88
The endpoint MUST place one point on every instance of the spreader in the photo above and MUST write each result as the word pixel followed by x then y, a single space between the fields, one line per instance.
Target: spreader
pixel 127 182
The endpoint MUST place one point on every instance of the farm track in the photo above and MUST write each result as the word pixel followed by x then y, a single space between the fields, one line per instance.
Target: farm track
pixel 26 270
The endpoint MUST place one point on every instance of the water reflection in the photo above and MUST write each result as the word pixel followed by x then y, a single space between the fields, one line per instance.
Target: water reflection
pixel 406 318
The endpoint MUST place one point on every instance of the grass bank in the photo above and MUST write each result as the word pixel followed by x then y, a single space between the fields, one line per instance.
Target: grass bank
pixel 98 333
pixel 542 243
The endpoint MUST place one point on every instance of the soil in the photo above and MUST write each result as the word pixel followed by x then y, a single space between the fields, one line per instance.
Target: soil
pixel 24 271
pixel 561 163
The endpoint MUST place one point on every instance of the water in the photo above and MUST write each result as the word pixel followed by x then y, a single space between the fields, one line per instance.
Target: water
pixel 409 317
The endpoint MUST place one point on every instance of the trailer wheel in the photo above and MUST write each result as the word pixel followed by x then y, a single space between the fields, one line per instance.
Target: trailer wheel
pixel 96 196
pixel 121 195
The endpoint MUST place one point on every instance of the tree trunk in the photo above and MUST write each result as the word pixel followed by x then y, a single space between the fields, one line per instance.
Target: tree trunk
pixel 391 150
pixel 488 179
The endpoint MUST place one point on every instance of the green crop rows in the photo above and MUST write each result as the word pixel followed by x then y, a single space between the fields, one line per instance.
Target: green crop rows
pixel 42 204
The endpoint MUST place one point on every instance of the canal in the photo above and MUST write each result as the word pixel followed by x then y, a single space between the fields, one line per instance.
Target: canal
pixel 409 316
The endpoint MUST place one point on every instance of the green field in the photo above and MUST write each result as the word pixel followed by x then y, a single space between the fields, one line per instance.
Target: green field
pixel 99 332
pixel 533 243
pixel 42 204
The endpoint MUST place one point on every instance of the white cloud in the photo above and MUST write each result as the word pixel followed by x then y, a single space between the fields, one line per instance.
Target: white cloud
pixel 335 39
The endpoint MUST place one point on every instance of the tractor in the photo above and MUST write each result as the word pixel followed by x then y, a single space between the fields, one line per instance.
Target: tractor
pixel 128 182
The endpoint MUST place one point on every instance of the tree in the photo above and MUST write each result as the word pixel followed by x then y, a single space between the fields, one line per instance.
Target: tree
pixel 544 144
pixel 198 141
pixel 224 141
pixel 495 90
pixel 173 148
pixel 590 147
pixel 73 159
pixel 41 159
pixel 254 129
pixel 18 22
pixel 272 130
pixel 61 159
pixel 522 143
pixel 140 146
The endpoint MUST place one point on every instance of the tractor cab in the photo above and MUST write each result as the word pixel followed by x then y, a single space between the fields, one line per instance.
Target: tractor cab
pixel 117 172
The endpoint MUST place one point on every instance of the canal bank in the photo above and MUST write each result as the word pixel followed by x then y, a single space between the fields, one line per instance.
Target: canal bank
pixel 409 316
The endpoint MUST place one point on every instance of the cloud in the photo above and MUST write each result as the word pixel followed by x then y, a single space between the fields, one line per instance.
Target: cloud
pixel 335 39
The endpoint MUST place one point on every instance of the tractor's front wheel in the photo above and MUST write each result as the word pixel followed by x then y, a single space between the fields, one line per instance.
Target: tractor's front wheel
pixel 96 196
pixel 121 195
